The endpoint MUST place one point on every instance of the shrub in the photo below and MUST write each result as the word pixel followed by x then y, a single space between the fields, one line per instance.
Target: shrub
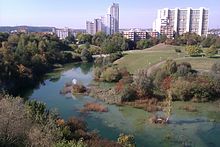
pixel 178 50
pixel 94 107
pixel 64 143
pixel 199 89
pixel 193 50
pixel 128 93
pixel 181 90
pixel 97 73
pixel 143 83
pixel 211 51
pixel 170 67
pixel 126 140
pixel 160 75
pixel 111 74
pixel 86 56
pixel 99 61
pixel 216 67
pixel 78 88
pixel 183 69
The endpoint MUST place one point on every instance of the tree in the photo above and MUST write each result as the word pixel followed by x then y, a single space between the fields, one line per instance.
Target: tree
pixel 83 38
pixel 98 38
pixel 144 43
pixel 211 51
pixel 86 56
pixel 143 83
pixel 70 39
pixel 193 50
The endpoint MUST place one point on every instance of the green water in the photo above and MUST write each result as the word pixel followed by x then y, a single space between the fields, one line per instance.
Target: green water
pixel 200 128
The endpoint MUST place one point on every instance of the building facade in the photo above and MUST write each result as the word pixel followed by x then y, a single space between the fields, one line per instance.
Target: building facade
pixel 135 34
pixel 114 17
pixel 179 21
pixel 61 33
pixel 108 23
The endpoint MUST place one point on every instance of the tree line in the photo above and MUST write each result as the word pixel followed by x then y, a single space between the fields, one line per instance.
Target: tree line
pixel 26 57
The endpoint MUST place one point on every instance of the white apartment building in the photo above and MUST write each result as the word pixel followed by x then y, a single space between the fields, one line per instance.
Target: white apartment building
pixel 114 17
pixel 135 34
pixel 181 21
pixel 108 24
pixel 90 27
pixel 61 33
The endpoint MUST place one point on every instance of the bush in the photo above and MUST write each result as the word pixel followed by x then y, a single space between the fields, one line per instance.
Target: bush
pixel 86 56
pixel 128 93
pixel 170 67
pixel 143 83
pixel 126 140
pixel 181 90
pixel 78 88
pixel 97 73
pixel 193 50
pixel 160 75
pixel 199 89
pixel 70 144
pixel 111 74
pixel 183 69
pixel 178 50
pixel 216 68
pixel 211 51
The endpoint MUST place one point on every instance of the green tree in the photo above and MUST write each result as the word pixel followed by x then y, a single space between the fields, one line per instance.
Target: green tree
pixel 98 38
pixel 83 38
pixel 193 50
pixel 211 51
pixel 86 56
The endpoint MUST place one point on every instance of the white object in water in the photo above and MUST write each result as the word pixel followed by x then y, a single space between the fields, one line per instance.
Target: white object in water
pixel 74 81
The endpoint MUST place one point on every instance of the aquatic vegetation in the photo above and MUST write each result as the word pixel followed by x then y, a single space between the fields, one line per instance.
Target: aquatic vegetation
pixel 96 107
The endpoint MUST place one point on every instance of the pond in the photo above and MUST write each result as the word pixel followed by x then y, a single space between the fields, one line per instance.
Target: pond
pixel 200 128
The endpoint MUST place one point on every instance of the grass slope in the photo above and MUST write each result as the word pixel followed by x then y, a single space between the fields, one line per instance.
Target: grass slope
pixel 139 59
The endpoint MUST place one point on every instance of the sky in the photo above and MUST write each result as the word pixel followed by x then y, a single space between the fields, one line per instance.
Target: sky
pixel 74 13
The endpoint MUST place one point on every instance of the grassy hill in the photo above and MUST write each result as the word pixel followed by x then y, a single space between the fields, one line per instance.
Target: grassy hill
pixel 139 59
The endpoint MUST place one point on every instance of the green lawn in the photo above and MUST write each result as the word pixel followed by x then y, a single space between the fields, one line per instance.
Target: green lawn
pixel 135 60
pixel 202 63
pixel 139 59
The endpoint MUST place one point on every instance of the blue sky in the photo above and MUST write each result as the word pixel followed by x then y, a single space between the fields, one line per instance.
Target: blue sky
pixel 74 13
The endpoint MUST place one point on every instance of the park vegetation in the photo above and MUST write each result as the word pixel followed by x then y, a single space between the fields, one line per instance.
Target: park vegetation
pixel 31 124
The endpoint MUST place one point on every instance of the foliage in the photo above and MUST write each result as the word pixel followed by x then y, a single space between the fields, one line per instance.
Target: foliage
pixel 170 67
pixel 86 56
pixel 78 88
pixel 65 143
pixel 193 50
pixel 98 38
pixel 178 50
pixel 144 43
pixel 211 51
pixel 26 57
pixel 200 88
pixel 97 72
pixel 208 41
pixel 36 109
pixel 143 83
pixel 126 140
pixel 84 38
pixel 128 93
pixel 18 129
pixel 111 74
pixel 101 61
pixel 183 69
pixel 216 67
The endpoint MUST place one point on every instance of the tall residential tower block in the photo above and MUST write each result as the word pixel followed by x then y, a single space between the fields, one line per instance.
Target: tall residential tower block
pixel 108 24
pixel 179 21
